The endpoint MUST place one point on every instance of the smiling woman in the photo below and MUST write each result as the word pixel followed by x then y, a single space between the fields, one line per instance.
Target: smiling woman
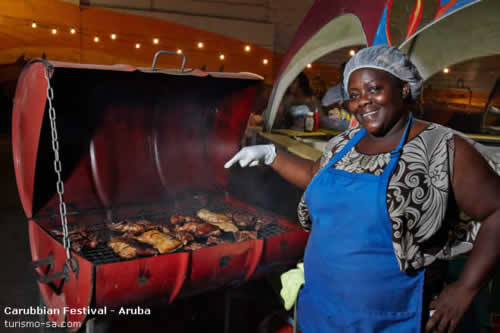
pixel 381 205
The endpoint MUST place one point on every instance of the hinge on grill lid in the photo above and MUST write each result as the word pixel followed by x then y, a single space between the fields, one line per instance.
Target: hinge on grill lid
pixel 155 59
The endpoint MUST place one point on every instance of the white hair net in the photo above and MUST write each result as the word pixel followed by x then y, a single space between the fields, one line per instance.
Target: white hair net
pixel 389 59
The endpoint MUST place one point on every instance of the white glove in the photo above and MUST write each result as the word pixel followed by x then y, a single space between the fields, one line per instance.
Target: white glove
pixel 253 155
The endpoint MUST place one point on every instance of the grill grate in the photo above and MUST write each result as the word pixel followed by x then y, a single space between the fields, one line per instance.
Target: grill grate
pixel 160 215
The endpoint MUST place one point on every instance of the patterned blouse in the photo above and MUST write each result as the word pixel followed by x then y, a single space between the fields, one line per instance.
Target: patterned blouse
pixel 420 202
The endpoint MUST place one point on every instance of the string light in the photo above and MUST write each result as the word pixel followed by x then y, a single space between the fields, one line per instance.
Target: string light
pixel 309 65
pixel 446 70
pixel 247 48
pixel 352 53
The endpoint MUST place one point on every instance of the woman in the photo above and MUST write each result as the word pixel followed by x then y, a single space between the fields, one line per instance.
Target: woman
pixel 381 201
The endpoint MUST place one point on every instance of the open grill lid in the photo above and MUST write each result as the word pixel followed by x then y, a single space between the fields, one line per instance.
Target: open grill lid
pixel 125 135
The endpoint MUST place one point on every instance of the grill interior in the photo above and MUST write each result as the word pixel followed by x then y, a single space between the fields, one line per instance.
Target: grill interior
pixel 159 214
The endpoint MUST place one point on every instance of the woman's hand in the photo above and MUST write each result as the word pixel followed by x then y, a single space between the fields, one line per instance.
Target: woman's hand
pixel 449 307
pixel 253 156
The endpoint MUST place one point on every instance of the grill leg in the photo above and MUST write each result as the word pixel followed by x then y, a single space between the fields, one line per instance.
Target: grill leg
pixel 227 308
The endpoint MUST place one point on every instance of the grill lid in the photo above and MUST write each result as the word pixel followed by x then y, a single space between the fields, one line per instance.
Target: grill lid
pixel 126 135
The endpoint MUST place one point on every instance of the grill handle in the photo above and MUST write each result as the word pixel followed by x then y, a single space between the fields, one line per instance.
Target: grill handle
pixel 72 265
pixel 155 59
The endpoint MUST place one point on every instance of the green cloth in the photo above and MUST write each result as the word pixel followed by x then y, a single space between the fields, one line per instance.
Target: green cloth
pixel 291 281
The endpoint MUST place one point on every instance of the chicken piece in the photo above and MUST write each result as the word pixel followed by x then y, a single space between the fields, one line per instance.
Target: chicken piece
pixel 85 239
pixel 78 241
pixel 207 230
pixel 74 230
pixel 262 221
pixel 128 248
pixel 220 220
pixel 212 240
pixel 180 219
pixel 123 247
pixel 189 227
pixel 127 227
pixel 147 225
pixel 163 242
pixel 244 221
pixel 193 246
pixel 245 235
pixel 184 237
pixel 94 240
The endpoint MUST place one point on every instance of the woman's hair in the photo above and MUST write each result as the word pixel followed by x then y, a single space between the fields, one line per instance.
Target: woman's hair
pixel 388 59
pixel 304 84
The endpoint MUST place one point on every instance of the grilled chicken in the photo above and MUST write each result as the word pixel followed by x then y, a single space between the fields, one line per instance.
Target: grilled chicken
pixel 163 242
pixel 189 227
pixel 245 235
pixel 262 222
pixel 128 248
pixel 244 221
pixel 132 227
pixel 184 237
pixel 212 240
pixel 81 238
pixel 180 219
pixel 220 220
pixel 207 230
pixel 193 246
pixel 74 230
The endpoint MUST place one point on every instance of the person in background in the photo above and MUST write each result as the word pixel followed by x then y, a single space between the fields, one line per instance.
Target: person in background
pixel 336 116
pixel 382 206
pixel 297 102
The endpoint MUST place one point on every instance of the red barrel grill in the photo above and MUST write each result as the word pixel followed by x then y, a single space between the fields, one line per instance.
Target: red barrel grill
pixel 136 144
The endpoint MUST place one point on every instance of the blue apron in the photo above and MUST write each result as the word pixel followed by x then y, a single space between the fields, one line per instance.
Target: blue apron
pixel 352 279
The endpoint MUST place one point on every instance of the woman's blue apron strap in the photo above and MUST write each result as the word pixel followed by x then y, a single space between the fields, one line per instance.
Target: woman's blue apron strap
pixel 397 151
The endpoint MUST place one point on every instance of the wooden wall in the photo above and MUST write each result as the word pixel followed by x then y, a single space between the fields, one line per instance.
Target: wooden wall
pixel 18 38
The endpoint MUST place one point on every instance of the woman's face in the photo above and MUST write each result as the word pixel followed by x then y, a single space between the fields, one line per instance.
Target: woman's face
pixel 376 99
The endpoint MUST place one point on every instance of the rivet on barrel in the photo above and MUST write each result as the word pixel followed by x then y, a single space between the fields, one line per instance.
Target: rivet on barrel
pixel 283 245
pixel 224 261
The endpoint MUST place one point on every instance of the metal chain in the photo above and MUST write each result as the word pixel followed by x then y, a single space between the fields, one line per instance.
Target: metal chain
pixel 58 167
